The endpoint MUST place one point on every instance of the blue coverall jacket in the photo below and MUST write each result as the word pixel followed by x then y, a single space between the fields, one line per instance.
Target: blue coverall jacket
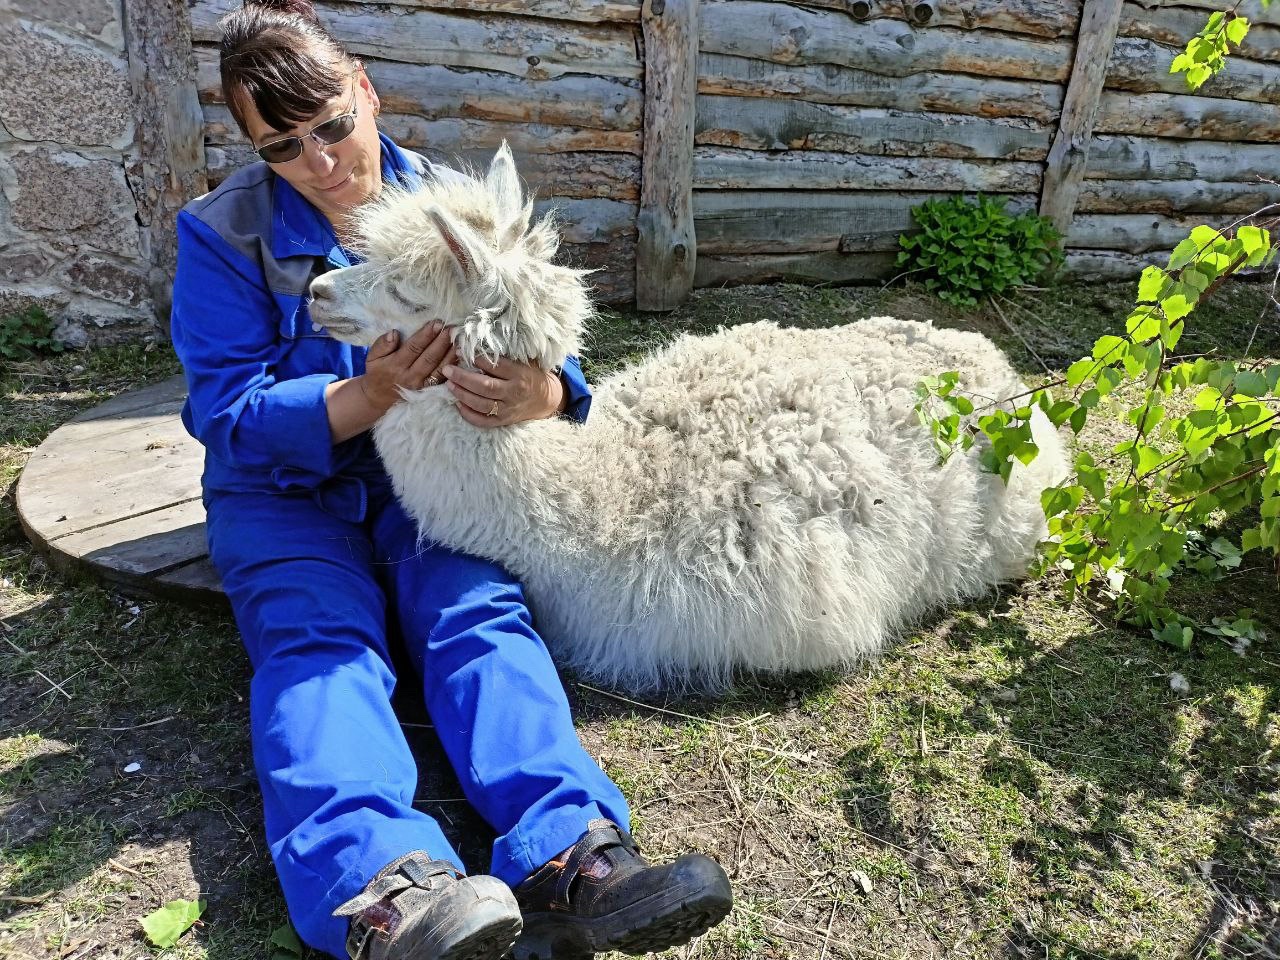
pixel 324 572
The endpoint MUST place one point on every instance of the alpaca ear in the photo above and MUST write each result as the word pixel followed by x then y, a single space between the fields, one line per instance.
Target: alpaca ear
pixel 543 240
pixel 504 185
pixel 469 252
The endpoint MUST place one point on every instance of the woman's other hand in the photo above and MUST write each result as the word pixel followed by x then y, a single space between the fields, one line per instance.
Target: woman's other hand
pixel 391 365
pixel 506 392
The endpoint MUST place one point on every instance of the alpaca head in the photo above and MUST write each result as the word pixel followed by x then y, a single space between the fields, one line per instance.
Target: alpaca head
pixel 463 251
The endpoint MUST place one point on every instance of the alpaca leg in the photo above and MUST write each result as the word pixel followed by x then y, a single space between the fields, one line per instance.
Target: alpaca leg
pixel 495 699
pixel 336 773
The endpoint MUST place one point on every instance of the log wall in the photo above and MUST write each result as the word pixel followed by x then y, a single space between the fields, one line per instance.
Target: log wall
pixel 1163 157
pixel 815 133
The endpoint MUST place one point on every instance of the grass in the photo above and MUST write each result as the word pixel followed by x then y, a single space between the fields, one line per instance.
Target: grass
pixel 1016 779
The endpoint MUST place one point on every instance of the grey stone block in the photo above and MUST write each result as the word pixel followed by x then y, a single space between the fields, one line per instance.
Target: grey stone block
pixel 69 93
pixel 99 19
pixel 107 280
pixel 66 196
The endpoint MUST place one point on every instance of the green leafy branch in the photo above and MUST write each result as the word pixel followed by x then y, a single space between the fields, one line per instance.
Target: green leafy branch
pixel 1206 52
pixel 1124 533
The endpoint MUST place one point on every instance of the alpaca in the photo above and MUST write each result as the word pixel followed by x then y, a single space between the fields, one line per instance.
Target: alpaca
pixel 759 499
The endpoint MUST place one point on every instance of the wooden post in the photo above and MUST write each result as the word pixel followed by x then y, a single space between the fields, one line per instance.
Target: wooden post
pixel 665 245
pixel 1064 168
pixel 162 71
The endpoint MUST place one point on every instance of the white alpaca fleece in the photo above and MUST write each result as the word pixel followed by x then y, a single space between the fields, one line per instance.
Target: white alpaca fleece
pixel 760 499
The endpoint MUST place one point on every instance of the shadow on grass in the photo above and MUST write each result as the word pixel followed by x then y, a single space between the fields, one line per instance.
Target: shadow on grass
pixel 1081 789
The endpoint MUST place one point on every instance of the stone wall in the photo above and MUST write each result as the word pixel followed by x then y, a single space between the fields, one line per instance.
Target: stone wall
pixel 85 232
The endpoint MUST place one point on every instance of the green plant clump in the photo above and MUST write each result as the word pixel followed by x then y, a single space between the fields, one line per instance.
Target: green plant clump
pixel 968 249
pixel 27 333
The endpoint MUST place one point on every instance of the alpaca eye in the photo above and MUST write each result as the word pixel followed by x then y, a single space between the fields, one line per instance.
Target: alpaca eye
pixel 401 299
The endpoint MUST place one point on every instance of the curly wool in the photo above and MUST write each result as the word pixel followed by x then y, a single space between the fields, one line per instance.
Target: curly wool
pixel 760 499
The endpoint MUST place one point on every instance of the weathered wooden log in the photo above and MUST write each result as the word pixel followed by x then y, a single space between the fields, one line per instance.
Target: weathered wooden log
pixel 1175 197
pixel 614 278
pixel 666 249
pixel 762 124
pixel 1142 66
pixel 788 221
pixel 224 161
pixel 1118 264
pixel 1133 233
pixel 598 235
pixel 547 176
pixel 1154 158
pixel 832 268
pixel 1110 264
pixel 583 11
pixel 829 83
pixel 715 168
pixel 781 33
pixel 1254 11
pixel 431 92
pixel 1039 18
pixel 453 136
pixel 564 173
pixel 1177 115
pixel 1177 25
pixel 523 46
pixel 595 223
pixel 1065 166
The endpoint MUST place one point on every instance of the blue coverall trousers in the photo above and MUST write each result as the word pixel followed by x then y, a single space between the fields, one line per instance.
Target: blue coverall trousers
pixel 316 595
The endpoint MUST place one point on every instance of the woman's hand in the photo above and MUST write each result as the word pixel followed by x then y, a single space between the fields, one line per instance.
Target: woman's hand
pixel 417 363
pixel 356 404
pixel 505 392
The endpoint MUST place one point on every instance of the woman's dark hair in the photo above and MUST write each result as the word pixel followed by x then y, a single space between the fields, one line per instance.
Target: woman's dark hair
pixel 276 55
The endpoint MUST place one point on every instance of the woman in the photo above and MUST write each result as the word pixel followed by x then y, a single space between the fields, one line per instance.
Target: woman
pixel 325 574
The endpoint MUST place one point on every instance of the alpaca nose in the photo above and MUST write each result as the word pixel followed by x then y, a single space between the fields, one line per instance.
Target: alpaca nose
pixel 321 289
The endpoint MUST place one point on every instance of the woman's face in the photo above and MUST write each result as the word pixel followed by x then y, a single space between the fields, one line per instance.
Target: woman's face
pixel 340 176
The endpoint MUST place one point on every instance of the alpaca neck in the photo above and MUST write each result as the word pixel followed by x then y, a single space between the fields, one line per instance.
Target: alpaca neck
pixel 501 493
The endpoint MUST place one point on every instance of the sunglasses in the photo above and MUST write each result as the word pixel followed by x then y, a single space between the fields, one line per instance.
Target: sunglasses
pixel 325 134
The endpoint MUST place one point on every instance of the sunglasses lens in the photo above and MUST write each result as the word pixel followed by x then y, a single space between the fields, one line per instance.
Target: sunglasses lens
pixel 282 151
pixel 335 130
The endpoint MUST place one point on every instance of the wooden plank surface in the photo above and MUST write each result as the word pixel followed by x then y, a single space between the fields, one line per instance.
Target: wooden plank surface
pixel 827 267
pixel 781 33
pixel 116 493
pixel 432 92
pixel 717 168
pixel 720 73
pixel 1208 198
pixel 1157 158
pixel 758 123
pixel 788 221
pixel 1178 115
pixel 526 47
pixel 1039 18
pixel 584 11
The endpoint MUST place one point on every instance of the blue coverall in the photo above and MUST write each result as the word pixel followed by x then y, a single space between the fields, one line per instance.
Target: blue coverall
pixel 324 573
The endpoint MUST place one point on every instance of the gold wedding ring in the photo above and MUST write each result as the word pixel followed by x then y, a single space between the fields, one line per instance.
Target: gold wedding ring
pixel 494 411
